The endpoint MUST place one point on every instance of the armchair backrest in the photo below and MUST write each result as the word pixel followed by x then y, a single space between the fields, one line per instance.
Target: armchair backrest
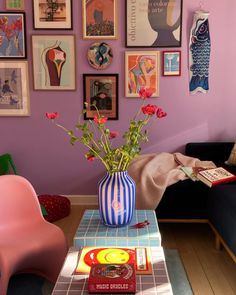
pixel 18 201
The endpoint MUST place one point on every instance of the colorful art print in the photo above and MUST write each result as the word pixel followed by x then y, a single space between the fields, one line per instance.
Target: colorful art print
pixel 139 256
pixel 100 55
pixel 142 69
pixel 14 90
pixel 153 23
pixel 15 4
pixel 171 63
pixel 12 35
pixel 53 62
pixel 99 19
pixel 101 90
pixel 52 14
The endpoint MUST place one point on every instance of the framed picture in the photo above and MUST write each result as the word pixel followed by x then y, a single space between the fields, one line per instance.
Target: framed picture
pixel 99 19
pixel 53 62
pixel 56 14
pixel 101 90
pixel 15 5
pixel 171 63
pixel 12 35
pixel 142 69
pixel 14 90
pixel 153 23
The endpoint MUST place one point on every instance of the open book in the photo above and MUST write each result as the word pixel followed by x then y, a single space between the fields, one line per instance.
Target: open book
pixel 215 176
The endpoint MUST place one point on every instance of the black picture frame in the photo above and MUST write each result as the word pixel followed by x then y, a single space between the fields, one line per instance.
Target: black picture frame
pixel 146 26
pixel 13 35
pixel 101 89
pixel 51 20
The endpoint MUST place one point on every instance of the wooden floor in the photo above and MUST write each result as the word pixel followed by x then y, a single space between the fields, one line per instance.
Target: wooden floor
pixel 209 271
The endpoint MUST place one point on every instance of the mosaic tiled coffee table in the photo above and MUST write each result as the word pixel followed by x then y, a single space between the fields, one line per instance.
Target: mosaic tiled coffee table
pixel 91 231
pixel 157 283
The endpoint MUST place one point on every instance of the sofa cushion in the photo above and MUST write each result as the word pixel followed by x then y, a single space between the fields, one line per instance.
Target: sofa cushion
pixel 222 212
pixel 232 157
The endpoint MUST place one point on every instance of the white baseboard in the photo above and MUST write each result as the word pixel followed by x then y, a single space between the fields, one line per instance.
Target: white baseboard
pixel 83 199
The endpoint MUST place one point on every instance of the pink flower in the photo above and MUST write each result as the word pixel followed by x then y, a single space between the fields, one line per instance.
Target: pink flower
pixel 160 113
pixel 52 115
pixel 145 93
pixel 149 109
pixel 101 120
pixel 113 134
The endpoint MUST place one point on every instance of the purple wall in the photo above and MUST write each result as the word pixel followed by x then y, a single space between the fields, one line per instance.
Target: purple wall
pixel 42 152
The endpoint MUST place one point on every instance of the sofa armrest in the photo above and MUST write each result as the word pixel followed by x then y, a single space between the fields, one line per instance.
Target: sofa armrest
pixel 218 152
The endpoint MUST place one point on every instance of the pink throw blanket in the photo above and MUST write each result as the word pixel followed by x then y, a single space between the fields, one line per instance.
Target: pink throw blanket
pixel 152 173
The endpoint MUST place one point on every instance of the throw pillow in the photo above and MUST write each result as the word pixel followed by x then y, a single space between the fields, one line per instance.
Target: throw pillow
pixel 232 157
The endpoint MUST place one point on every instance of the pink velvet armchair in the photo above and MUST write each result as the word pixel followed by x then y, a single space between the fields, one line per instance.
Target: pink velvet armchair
pixel 28 243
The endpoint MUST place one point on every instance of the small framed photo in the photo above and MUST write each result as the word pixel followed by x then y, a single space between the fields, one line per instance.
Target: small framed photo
pixel 171 63
pixel 15 5
pixel 54 62
pixel 99 19
pixel 55 15
pixel 142 69
pixel 153 23
pixel 14 90
pixel 12 35
pixel 101 93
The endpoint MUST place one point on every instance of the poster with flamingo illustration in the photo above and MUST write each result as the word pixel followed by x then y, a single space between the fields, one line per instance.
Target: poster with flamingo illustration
pixel 53 62
pixel 12 35
pixel 142 70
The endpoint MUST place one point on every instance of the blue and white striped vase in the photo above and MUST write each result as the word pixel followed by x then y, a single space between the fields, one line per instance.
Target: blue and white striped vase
pixel 116 199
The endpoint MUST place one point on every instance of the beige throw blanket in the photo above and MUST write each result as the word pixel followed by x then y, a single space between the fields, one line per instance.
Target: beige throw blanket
pixel 154 172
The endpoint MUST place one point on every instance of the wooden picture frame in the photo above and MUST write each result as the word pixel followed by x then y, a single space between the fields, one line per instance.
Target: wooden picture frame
pixel 14 93
pixel 15 5
pixel 12 35
pixel 171 63
pixel 48 74
pixel 102 90
pixel 56 15
pixel 99 19
pixel 142 69
pixel 153 23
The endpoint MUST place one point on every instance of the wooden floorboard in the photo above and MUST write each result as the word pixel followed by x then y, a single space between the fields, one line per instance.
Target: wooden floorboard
pixel 210 272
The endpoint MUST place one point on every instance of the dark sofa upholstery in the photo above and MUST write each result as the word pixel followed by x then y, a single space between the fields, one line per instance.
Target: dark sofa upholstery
pixel 188 200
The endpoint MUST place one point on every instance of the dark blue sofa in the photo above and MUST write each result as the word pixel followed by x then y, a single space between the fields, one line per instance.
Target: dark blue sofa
pixel 194 201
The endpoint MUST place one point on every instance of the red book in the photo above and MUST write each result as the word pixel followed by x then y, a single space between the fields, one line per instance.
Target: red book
pixel 215 176
pixel 112 278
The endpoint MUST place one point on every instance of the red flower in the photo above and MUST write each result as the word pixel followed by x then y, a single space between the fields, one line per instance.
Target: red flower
pixel 145 93
pixel 101 120
pixel 160 113
pixel 52 115
pixel 90 157
pixel 149 109
pixel 113 134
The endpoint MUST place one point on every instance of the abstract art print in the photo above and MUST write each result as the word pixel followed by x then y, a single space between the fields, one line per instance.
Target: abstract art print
pixel 99 55
pixel 14 90
pixel 99 19
pixel 142 69
pixel 153 23
pixel 52 14
pixel 53 62
pixel 12 35
pixel 101 93
pixel 171 65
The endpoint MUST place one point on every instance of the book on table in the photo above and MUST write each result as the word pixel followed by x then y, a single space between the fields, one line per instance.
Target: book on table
pixel 215 176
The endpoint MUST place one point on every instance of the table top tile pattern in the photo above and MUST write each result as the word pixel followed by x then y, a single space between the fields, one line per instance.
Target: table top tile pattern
pixel 157 283
pixel 92 232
